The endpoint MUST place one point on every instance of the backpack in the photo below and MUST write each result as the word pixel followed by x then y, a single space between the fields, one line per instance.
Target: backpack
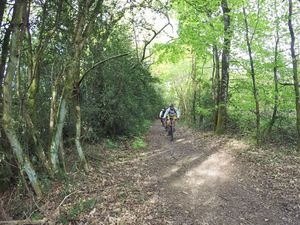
pixel 163 113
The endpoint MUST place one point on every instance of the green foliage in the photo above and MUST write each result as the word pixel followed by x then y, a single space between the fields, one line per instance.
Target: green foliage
pixel 74 212
pixel 37 216
pixel 119 96
pixel 111 144
pixel 172 52
pixel 200 28
pixel 138 143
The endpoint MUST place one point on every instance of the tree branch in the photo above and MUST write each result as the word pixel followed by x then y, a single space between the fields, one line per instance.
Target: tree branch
pixel 99 63
pixel 153 37
pixel 287 84
pixel 257 20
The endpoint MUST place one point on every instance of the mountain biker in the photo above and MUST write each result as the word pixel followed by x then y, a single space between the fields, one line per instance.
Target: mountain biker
pixel 161 115
pixel 172 113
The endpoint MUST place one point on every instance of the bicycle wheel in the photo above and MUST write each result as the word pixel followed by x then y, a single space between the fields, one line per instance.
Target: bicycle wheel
pixel 171 132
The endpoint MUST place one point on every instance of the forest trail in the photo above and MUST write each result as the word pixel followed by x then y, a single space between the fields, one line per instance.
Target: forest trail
pixel 196 179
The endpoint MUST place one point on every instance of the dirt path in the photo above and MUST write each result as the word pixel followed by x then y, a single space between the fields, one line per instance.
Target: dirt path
pixel 197 180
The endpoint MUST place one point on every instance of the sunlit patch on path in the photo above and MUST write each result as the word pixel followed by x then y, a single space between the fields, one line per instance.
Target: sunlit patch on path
pixel 213 171
pixel 198 180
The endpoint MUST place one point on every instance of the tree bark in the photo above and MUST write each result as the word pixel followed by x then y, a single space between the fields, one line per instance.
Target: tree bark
pixel 36 56
pixel 216 83
pixel 2 8
pixel 295 70
pixel 12 67
pixel 61 156
pixel 252 73
pixel 275 74
pixel 57 134
pixel 85 21
pixel 81 155
pixel 276 94
pixel 195 87
pixel 222 107
pixel 4 55
pixel 37 143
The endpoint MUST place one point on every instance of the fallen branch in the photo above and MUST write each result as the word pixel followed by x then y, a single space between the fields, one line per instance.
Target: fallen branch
pixel 24 222
pixel 65 198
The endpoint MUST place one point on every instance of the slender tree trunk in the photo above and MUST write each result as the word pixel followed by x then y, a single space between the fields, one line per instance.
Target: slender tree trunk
pixel 36 56
pixel 79 39
pixel 2 8
pixel 61 156
pixel 295 70
pixel 53 106
pixel 78 137
pixel 4 55
pixel 33 75
pixel 275 69
pixel 12 67
pixel 37 143
pixel 216 84
pixel 222 108
pixel 252 72
pixel 195 89
pixel 57 133
pixel 76 102
pixel 29 117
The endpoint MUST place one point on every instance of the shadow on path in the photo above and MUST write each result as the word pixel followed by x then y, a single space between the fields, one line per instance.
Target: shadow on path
pixel 199 181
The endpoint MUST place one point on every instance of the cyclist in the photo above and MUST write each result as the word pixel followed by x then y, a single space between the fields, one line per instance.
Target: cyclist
pixel 171 114
pixel 161 115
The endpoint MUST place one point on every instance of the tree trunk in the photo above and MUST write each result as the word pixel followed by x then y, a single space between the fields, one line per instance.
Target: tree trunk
pixel 216 83
pixel 82 28
pixel 252 72
pixel 57 134
pixel 36 56
pixel 222 108
pixel 295 71
pixel 61 156
pixel 275 69
pixel 78 137
pixel 4 54
pixel 37 142
pixel 12 67
pixel 194 80
pixel 53 106
pixel 2 8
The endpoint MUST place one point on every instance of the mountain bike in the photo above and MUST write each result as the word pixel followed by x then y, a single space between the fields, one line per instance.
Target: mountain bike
pixel 171 127
pixel 163 122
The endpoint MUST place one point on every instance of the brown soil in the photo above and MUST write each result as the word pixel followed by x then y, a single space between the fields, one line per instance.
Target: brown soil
pixel 196 179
